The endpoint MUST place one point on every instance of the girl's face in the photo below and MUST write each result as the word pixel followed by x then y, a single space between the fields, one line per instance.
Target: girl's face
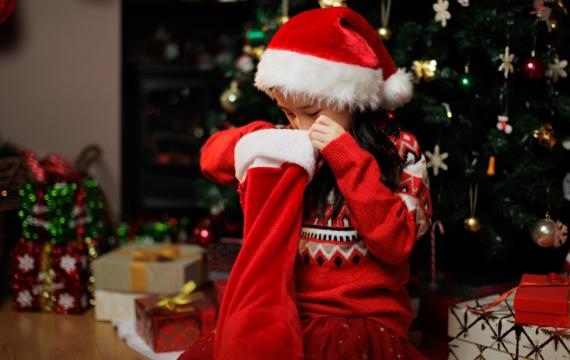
pixel 302 115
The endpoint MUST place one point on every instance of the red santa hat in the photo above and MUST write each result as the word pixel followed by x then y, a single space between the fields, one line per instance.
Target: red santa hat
pixel 333 55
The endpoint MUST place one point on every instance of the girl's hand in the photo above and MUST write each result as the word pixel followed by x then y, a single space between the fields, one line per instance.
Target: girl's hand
pixel 323 131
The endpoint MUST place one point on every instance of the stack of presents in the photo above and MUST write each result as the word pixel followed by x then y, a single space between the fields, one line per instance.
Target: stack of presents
pixel 530 321
pixel 66 261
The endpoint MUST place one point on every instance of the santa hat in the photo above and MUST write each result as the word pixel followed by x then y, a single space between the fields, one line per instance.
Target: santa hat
pixel 333 55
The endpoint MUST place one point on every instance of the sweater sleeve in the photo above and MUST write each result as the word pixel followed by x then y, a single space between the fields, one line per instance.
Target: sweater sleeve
pixel 389 221
pixel 217 154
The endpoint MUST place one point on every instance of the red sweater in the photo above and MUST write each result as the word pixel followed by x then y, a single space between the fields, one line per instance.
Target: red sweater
pixel 357 263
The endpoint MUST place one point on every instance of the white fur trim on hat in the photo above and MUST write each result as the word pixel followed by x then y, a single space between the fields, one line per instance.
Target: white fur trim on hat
pixel 336 84
pixel 273 147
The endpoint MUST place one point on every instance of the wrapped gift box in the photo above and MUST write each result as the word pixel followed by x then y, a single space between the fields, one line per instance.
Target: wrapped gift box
pixel 543 300
pixel 115 305
pixel 223 254
pixel 154 269
pixel 172 329
pixel 496 329
pixel 463 350
pixel 51 278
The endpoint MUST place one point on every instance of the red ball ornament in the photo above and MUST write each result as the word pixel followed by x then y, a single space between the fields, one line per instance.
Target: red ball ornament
pixel 203 232
pixel 534 68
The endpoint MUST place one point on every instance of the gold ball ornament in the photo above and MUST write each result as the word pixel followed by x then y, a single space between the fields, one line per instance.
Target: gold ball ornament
pixel 543 232
pixel 472 224
pixel 331 3
pixel 385 33
pixel 281 20
pixel 230 97
pixel 254 52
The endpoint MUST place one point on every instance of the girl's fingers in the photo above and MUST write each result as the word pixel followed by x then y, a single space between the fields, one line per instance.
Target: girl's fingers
pixel 319 136
pixel 319 128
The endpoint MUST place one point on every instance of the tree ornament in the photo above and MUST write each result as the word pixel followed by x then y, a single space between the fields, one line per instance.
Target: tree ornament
pixel 491 167
pixel 436 227
pixel 254 52
pixel 441 12
pixel 545 135
pixel 203 232
pixel 384 31
pixel 507 62
pixel 557 70
pixel 284 13
pixel 566 143
pixel 543 232
pixel 424 69
pixel 464 3
pixel 331 3
pixel 472 223
pixel 533 68
pixel 230 97
pixel 436 160
pixel 245 64
pixel 255 36
pixel 503 125
pixel 465 79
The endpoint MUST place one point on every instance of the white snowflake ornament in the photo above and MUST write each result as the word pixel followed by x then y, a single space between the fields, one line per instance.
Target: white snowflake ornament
pixel 67 263
pixel 507 62
pixel 24 298
pixel 66 301
pixel 26 263
pixel 557 70
pixel 441 13
pixel 436 160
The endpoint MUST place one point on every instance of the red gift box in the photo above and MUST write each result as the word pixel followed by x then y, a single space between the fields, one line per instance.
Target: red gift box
pixel 543 300
pixel 50 278
pixel 165 329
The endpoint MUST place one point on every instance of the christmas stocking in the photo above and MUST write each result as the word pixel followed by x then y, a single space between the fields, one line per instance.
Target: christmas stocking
pixel 258 316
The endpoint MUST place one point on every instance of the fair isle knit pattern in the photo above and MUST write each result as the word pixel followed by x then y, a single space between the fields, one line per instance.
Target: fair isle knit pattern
pixel 329 240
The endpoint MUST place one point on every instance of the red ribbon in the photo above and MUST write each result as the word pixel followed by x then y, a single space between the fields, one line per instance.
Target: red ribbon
pixel 553 279
pixel 52 166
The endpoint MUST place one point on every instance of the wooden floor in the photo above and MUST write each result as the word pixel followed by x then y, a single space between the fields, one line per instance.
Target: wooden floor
pixel 41 336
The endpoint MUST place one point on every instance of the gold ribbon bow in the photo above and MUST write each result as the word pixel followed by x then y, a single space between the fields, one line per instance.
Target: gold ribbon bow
pixel 164 253
pixel 424 69
pixel 182 301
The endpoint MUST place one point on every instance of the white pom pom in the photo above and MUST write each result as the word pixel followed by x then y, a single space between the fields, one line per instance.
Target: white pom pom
pixel 397 90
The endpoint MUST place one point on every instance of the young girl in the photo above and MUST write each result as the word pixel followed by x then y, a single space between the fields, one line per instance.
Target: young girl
pixel 369 200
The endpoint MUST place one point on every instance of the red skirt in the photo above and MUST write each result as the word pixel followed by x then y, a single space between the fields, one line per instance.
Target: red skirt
pixel 333 338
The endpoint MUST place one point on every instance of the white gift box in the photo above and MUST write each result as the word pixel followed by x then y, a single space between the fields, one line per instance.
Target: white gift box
pixel 115 305
pixel 463 350
pixel 496 329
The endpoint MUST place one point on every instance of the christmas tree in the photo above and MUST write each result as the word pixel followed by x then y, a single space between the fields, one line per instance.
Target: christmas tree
pixel 491 111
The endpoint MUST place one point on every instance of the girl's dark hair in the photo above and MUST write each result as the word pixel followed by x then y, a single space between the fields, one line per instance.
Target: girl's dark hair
pixel 371 137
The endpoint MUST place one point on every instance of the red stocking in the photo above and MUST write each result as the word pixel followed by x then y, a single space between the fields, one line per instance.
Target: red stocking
pixel 258 317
